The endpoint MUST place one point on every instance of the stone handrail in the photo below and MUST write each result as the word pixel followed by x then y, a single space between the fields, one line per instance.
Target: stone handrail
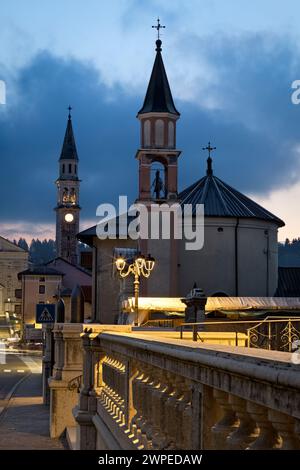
pixel 144 392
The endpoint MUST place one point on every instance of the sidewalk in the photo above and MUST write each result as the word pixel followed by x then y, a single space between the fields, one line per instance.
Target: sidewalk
pixel 24 424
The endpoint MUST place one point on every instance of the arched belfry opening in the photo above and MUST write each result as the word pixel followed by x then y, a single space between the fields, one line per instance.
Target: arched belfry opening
pixel 158 181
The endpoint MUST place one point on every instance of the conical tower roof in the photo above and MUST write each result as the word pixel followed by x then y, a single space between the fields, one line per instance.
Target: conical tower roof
pixel 69 151
pixel 158 98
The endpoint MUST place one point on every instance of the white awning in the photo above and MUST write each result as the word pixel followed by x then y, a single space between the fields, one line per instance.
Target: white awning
pixel 174 304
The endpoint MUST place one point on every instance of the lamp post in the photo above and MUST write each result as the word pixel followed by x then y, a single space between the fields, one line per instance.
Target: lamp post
pixel 141 266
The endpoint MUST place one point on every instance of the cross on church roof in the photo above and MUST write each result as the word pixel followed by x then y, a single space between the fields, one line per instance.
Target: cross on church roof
pixel 210 149
pixel 158 27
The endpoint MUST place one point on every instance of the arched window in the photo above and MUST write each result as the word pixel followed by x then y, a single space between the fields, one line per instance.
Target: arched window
pixel 171 142
pixel 147 129
pixel 63 167
pixel 75 169
pixel 70 168
pixel 159 132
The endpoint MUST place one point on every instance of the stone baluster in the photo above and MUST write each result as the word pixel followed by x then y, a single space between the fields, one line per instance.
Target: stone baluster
pixel 146 427
pixel 167 390
pixel 136 399
pixel 286 428
pixel 184 410
pixel 268 437
pixel 171 405
pixel 247 430
pixel 131 372
pixel 141 421
pixel 189 420
pixel 158 397
pixel 227 424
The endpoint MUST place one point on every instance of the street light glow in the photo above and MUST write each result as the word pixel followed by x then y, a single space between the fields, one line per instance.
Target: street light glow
pixel 140 266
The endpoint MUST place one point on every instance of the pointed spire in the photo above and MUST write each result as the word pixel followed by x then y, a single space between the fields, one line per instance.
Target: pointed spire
pixel 69 151
pixel 158 98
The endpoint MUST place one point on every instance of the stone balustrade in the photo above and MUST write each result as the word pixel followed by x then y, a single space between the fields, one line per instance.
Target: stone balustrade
pixel 146 392
pixel 67 372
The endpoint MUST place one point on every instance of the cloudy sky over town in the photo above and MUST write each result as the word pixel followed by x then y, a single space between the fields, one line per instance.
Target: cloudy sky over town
pixel 230 66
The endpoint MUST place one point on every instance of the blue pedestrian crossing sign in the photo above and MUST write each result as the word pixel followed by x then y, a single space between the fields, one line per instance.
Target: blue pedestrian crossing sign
pixel 45 313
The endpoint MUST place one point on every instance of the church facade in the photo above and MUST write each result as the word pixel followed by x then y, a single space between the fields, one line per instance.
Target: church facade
pixel 239 257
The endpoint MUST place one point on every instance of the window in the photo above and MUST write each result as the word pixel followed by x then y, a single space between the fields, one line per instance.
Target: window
pixel 18 309
pixel 75 169
pixel 42 289
pixel 159 132
pixel 42 279
pixel 171 142
pixel 70 168
pixel 18 293
pixel 147 126
pixel 63 168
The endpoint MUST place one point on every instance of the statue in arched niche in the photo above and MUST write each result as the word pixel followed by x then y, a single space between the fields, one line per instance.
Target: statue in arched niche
pixel 158 185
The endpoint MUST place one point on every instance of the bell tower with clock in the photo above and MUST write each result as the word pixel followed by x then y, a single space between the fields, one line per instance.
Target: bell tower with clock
pixel 68 209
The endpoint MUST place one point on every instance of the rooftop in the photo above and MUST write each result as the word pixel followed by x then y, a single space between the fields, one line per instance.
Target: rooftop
pixel 221 200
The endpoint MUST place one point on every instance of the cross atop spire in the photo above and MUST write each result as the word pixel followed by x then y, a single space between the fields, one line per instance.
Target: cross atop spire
pixel 210 149
pixel 69 109
pixel 158 27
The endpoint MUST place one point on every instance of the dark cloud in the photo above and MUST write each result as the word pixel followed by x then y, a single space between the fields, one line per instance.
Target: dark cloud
pixel 256 129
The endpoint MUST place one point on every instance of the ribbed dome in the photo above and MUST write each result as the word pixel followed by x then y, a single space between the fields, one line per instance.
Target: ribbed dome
pixel 221 200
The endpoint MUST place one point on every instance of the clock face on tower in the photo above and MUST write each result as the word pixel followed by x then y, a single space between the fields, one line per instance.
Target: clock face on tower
pixel 69 217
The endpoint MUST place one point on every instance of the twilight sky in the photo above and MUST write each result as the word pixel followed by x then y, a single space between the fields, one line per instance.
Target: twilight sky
pixel 230 66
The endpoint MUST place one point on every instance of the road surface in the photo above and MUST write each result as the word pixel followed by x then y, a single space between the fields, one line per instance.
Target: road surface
pixel 14 366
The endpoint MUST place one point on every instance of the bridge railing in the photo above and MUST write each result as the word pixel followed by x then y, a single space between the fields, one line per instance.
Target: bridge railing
pixel 148 392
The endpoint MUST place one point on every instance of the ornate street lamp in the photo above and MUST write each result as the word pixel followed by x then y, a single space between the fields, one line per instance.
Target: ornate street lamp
pixel 140 266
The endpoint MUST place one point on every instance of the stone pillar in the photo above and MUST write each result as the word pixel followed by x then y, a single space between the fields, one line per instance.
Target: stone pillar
pixel 48 362
pixel 68 366
pixel 60 311
pixel 84 412
pixel 77 305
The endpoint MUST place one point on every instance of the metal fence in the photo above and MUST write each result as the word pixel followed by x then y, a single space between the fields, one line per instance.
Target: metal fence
pixel 272 333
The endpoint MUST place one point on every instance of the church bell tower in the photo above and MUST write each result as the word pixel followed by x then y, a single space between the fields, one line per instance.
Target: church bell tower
pixel 68 209
pixel 157 155
pixel 158 167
